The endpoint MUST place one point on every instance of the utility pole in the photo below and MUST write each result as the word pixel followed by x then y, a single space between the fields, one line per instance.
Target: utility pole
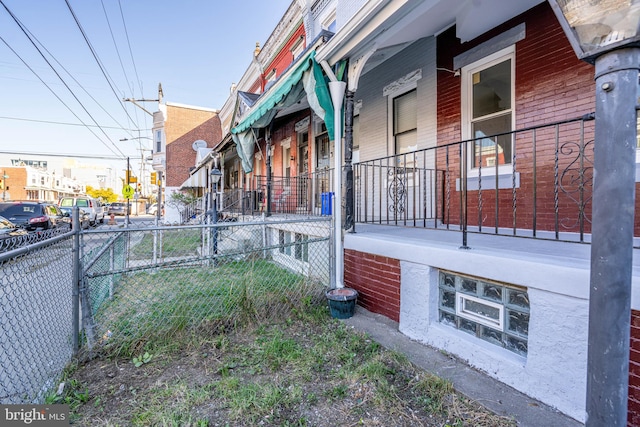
pixel 4 185
pixel 135 101
pixel 128 204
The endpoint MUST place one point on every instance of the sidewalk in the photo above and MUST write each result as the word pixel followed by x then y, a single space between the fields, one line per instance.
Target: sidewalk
pixel 494 395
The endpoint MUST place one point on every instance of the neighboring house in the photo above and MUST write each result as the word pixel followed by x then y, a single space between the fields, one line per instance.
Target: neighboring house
pixel 30 183
pixel 179 131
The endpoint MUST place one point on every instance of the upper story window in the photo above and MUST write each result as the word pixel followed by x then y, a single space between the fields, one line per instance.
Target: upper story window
pixel 158 141
pixel 488 109
pixel 298 47
pixel 329 22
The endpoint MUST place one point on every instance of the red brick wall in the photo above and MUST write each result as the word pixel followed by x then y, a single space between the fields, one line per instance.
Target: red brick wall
pixel 551 85
pixel 184 126
pixel 284 57
pixel 634 371
pixel 377 280
pixel 16 183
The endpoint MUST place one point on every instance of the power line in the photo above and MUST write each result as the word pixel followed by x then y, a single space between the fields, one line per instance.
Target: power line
pixel 126 33
pixel 58 97
pixel 115 45
pixel 80 156
pixel 69 124
pixel 26 33
pixel 77 82
pixel 133 62
pixel 124 71
pixel 95 56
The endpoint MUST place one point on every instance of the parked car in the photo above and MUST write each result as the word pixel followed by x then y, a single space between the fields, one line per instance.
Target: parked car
pixel 118 208
pixel 34 216
pixel 85 222
pixel 153 209
pixel 8 229
pixel 92 206
pixel 11 235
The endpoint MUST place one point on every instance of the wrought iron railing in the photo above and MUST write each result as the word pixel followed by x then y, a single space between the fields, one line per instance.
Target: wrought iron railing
pixel 534 182
pixel 300 194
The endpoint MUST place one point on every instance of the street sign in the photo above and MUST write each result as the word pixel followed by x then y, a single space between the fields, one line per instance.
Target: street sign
pixel 127 191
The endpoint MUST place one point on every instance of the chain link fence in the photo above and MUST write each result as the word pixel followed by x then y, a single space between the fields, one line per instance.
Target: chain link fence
pixel 153 283
pixel 36 321
pixel 117 287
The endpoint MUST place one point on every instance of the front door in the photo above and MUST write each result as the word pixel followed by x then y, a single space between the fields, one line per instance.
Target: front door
pixel 323 164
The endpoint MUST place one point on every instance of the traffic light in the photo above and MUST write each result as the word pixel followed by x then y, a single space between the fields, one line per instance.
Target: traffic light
pixel 1 184
pixel 127 176
pixel 154 177
pixel 130 179
pixel 139 188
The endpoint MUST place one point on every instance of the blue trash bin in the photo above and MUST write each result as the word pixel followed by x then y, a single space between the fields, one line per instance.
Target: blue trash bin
pixel 326 203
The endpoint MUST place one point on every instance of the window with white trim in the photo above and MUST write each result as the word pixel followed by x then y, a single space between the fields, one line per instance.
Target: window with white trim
pixel 329 22
pixel 298 47
pixel 158 141
pixel 488 101
pixel 405 122
pixel 494 312
pixel 284 241
pixel 301 248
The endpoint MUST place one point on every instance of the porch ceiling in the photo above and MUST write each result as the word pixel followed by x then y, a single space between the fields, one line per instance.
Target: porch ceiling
pixel 386 27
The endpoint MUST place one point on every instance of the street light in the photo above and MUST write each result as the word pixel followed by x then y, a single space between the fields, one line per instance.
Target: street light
pixel 605 33
pixel 215 176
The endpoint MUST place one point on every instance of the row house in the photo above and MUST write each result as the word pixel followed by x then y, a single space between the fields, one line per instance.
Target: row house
pixel 467 174
pixel 182 134
pixel 269 127
pixel 30 183
pixel 472 194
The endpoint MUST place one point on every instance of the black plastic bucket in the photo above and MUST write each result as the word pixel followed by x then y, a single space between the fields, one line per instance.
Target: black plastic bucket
pixel 342 302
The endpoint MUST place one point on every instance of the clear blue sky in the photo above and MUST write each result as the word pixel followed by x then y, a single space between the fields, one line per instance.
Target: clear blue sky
pixel 195 48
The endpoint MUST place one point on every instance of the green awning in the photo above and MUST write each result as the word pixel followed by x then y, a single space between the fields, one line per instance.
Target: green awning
pixel 258 116
pixel 305 78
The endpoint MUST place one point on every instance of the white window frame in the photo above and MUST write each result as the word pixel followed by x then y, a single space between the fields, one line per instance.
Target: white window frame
pixel 466 74
pixel 391 96
pixel 471 315
pixel 271 76
pixel 328 19
pixel 298 47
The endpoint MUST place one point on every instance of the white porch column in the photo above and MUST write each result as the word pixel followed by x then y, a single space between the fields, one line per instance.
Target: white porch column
pixel 337 89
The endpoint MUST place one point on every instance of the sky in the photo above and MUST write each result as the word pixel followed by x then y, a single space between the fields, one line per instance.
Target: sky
pixel 195 48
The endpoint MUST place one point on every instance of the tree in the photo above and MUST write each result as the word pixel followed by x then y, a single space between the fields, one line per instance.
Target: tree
pixel 105 194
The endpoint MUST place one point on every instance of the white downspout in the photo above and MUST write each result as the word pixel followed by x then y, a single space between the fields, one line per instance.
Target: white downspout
pixel 337 89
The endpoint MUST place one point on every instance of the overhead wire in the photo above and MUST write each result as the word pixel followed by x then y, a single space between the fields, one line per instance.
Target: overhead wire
pixel 60 99
pixel 26 33
pixel 133 61
pixel 97 59
pixel 115 45
pixel 66 123
pixel 77 82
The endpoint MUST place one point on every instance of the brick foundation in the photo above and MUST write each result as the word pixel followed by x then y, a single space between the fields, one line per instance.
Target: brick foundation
pixel 377 280
pixel 634 371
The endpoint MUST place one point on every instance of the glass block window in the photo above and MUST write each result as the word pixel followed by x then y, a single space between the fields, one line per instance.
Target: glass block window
pixel 301 247
pixel 493 312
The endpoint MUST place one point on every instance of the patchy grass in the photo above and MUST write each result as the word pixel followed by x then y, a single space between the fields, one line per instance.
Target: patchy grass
pixel 247 343
pixel 151 307
pixel 303 370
